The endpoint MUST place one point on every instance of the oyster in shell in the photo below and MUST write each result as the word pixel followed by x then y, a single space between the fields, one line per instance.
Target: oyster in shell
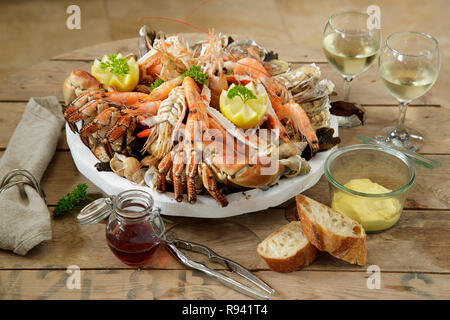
pixel 241 47
pixel 279 66
pixel 323 89
pixel 301 79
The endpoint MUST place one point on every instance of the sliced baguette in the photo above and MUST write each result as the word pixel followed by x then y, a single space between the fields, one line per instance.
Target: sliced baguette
pixel 331 231
pixel 287 249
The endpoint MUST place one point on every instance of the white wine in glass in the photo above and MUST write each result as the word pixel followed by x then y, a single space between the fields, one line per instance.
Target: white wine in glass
pixel 349 46
pixel 407 83
pixel 408 65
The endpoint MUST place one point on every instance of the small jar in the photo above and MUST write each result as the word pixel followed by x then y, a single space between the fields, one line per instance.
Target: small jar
pixel 365 164
pixel 134 226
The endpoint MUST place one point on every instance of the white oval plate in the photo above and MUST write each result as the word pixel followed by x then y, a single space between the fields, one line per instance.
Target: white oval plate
pixel 205 207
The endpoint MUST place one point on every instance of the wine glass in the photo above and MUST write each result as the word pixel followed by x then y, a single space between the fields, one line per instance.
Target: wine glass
pixel 408 65
pixel 349 45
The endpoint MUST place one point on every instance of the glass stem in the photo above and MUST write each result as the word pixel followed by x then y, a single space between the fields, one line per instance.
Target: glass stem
pixel 400 127
pixel 347 84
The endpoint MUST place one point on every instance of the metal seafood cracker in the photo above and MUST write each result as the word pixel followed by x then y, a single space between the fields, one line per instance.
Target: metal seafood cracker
pixel 176 244
pixel 101 209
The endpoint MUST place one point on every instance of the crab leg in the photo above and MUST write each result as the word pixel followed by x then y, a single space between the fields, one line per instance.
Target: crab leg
pixel 210 183
pixel 105 118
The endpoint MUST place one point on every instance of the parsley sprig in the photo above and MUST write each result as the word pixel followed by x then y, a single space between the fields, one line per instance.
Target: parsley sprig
pixel 71 200
pixel 195 73
pixel 156 84
pixel 242 92
pixel 116 65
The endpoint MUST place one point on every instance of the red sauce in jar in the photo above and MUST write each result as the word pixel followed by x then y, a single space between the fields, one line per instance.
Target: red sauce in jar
pixel 132 242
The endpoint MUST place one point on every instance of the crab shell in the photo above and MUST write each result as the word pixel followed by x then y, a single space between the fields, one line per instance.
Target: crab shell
pixel 259 175
pixel 78 82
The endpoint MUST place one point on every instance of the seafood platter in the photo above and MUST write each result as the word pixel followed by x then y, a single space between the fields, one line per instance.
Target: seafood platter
pixel 211 129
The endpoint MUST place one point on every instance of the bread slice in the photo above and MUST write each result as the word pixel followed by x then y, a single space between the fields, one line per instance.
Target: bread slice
pixel 287 249
pixel 331 231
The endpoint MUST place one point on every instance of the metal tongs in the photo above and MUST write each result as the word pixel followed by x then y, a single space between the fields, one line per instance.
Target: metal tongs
pixel 175 245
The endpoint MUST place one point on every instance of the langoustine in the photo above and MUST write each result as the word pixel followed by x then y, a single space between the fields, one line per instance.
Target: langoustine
pixel 155 119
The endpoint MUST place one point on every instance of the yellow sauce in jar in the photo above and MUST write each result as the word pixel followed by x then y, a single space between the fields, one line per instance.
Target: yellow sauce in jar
pixel 374 214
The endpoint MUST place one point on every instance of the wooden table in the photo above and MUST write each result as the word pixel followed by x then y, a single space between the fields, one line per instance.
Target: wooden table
pixel 413 256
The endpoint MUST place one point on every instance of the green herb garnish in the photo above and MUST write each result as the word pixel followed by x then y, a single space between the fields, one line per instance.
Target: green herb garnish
pixel 242 92
pixel 116 65
pixel 230 71
pixel 156 84
pixel 71 200
pixel 195 73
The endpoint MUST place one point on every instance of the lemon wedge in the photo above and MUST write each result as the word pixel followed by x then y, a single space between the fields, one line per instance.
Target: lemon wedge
pixel 247 114
pixel 121 82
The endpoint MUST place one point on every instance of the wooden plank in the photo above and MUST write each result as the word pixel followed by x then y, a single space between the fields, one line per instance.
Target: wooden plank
pixel 306 23
pixel 189 284
pixel 429 192
pixel 285 50
pixel 418 243
pixel 420 118
pixel 46 79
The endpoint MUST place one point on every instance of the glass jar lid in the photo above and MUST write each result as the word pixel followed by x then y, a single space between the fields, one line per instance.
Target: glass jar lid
pixel 95 211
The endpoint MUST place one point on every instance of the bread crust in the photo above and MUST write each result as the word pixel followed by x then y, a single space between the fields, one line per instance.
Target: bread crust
pixel 350 249
pixel 302 258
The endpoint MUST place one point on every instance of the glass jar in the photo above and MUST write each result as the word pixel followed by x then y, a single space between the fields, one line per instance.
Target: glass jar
pixel 370 168
pixel 134 226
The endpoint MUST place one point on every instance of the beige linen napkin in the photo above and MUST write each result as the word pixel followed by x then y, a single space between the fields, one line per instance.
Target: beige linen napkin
pixel 24 216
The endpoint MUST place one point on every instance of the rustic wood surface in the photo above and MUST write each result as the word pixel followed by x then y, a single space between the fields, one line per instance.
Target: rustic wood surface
pixel 413 255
